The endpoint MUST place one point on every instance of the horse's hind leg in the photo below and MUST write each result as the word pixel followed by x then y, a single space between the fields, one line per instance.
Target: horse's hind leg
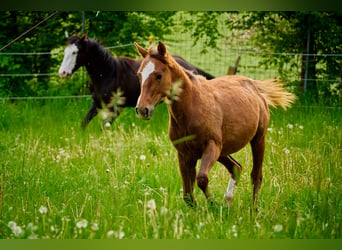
pixel 188 171
pixel 234 169
pixel 258 150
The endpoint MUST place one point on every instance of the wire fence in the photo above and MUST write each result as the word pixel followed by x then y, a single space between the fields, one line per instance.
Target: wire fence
pixel 217 62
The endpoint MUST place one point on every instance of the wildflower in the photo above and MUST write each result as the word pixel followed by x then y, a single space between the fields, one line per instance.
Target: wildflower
pixel 12 224
pixel 277 228
pixel 17 231
pixel 286 151
pixel 163 210
pixel 151 204
pixel 110 234
pixel 270 130
pixel 95 226
pixel 82 223
pixel 290 126
pixel 142 157
pixel 119 235
pixel 301 126
pixel 43 210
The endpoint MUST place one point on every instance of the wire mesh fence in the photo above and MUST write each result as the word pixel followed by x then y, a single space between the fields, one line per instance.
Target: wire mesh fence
pixel 217 62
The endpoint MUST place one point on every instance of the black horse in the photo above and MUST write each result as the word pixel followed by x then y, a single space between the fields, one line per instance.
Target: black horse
pixel 108 75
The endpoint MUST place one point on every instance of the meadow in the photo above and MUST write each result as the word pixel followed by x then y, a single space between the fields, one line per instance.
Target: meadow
pixel 123 182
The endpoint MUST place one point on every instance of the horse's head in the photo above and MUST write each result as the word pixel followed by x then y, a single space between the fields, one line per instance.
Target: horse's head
pixel 72 56
pixel 155 79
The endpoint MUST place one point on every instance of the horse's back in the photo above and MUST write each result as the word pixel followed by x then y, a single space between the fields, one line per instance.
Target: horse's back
pixel 242 108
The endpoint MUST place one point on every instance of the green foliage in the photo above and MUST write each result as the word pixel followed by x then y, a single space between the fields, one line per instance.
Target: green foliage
pixel 110 28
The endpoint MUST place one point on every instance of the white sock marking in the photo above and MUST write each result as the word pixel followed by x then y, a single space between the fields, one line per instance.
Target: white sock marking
pixel 230 190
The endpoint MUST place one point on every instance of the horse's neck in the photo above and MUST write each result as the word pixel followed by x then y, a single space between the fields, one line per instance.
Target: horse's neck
pixel 99 62
pixel 178 109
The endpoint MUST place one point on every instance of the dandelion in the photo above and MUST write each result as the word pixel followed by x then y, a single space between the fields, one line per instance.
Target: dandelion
pixel 286 151
pixel 119 235
pixel 82 223
pixel 301 127
pixel 17 231
pixel 110 234
pixel 270 130
pixel 12 225
pixel 142 157
pixel 151 204
pixel 95 226
pixel 43 210
pixel 277 228
pixel 163 210
pixel 290 126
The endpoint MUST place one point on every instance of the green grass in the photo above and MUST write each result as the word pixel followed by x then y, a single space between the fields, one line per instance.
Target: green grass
pixel 58 181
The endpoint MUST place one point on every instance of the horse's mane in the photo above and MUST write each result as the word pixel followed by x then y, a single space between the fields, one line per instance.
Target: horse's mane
pixel 94 46
pixel 172 63
pixel 97 47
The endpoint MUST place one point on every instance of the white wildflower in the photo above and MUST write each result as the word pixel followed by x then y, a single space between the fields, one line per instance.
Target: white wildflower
pixel 163 210
pixel 142 157
pixel 119 235
pixel 110 234
pixel 12 225
pixel 82 223
pixel 301 126
pixel 278 228
pixel 290 126
pixel 17 231
pixel 151 204
pixel 43 210
pixel 95 226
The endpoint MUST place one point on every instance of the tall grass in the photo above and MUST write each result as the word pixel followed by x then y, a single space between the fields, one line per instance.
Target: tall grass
pixel 58 181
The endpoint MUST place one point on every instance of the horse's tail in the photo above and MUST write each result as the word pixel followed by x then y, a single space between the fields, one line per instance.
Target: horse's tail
pixel 274 93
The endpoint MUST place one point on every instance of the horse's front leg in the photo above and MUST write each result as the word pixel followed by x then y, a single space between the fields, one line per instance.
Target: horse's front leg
pixel 209 157
pixel 187 168
pixel 90 115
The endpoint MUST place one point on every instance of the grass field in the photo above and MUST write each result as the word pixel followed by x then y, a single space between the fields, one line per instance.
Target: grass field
pixel 58 181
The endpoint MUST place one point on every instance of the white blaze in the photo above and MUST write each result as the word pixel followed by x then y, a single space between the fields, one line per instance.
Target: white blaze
pixel 145 73
pixel 69 61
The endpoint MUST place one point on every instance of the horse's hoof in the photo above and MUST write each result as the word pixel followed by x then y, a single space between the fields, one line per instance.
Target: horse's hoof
pixel 228 199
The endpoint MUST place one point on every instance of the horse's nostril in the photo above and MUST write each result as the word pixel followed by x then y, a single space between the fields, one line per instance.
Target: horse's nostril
pixel 137 110
pixel 145 112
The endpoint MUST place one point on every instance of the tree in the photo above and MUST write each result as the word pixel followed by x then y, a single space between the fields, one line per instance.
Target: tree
pixel 110 28
pixel 290 32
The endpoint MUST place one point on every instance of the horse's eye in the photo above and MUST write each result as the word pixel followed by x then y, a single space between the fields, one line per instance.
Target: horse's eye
pixel 74 52
pixel 159 76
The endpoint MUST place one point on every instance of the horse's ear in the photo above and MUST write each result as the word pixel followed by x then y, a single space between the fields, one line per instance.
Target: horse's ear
pixel 84 37
pixel 141 50
pixel 161 49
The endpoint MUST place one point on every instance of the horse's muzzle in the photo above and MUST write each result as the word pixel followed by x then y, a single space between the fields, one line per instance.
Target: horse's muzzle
pixel 144 112
pixel 64 74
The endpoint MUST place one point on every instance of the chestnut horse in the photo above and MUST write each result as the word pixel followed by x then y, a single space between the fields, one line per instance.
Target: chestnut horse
pixel 209 119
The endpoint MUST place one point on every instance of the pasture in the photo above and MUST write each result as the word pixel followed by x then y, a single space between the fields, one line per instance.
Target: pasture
pixel 58 181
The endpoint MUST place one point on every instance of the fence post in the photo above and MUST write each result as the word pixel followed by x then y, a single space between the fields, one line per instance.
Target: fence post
pixel 307 61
